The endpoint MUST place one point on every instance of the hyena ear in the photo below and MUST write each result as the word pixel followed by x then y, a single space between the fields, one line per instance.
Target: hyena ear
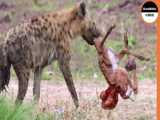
pixel 82 10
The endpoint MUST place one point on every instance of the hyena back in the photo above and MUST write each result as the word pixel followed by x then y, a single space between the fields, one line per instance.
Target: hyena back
pixel 36 43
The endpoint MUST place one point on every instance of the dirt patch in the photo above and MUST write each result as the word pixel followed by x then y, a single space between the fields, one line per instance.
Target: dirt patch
pixel 55 98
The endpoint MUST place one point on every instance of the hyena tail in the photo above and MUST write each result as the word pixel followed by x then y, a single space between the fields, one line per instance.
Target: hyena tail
pixel 5 66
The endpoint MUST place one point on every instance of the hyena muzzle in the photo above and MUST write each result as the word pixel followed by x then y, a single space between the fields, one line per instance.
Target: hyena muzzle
pixel 33 45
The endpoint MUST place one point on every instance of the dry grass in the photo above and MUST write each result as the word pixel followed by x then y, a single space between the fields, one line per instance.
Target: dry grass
pixel 56 102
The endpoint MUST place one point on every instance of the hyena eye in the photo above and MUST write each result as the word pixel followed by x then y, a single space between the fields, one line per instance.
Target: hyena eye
pixel 94 30
pixel 94 26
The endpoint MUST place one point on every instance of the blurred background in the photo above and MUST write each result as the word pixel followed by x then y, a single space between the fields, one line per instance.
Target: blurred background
pixel 125 13
pixel 56 103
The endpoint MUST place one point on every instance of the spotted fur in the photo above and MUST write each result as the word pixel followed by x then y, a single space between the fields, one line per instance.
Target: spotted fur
pixel 35 44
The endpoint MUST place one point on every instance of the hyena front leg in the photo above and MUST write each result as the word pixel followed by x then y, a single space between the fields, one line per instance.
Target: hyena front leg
pixel 64 64
pixel 36 84
pixel 23 77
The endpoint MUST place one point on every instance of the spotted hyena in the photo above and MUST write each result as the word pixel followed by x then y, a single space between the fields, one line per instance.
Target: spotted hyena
pixel 33 45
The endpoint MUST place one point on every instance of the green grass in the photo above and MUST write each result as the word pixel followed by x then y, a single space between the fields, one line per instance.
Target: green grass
pixel 49 6
pixel 46 75
pixel 64 110
pixel 106 5
pixel 84 63
pixel 8 111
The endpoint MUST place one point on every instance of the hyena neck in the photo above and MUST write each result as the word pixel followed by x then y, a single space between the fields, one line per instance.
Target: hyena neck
pixel 69 22
pixel 64 21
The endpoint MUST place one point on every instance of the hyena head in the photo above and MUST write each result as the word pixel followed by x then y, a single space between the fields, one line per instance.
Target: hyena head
pixel 82 25
pixel 90 32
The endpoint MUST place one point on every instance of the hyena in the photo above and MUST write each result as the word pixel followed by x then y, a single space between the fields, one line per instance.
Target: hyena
pixel 32 45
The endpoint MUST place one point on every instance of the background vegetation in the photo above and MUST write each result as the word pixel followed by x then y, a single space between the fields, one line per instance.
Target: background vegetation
pixel 142 36
pixel 142 39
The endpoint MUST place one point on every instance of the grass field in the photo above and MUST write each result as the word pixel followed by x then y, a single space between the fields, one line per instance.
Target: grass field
pixel 56 103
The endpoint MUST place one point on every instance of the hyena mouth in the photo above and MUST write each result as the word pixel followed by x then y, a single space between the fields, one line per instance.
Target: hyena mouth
pixel 90 40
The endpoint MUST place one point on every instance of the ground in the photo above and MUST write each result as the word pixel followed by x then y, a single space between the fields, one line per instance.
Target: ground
pixel 56 99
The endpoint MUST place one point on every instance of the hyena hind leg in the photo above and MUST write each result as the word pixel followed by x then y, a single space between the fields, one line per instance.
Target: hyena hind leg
pixel 23 77
pixel 36 84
